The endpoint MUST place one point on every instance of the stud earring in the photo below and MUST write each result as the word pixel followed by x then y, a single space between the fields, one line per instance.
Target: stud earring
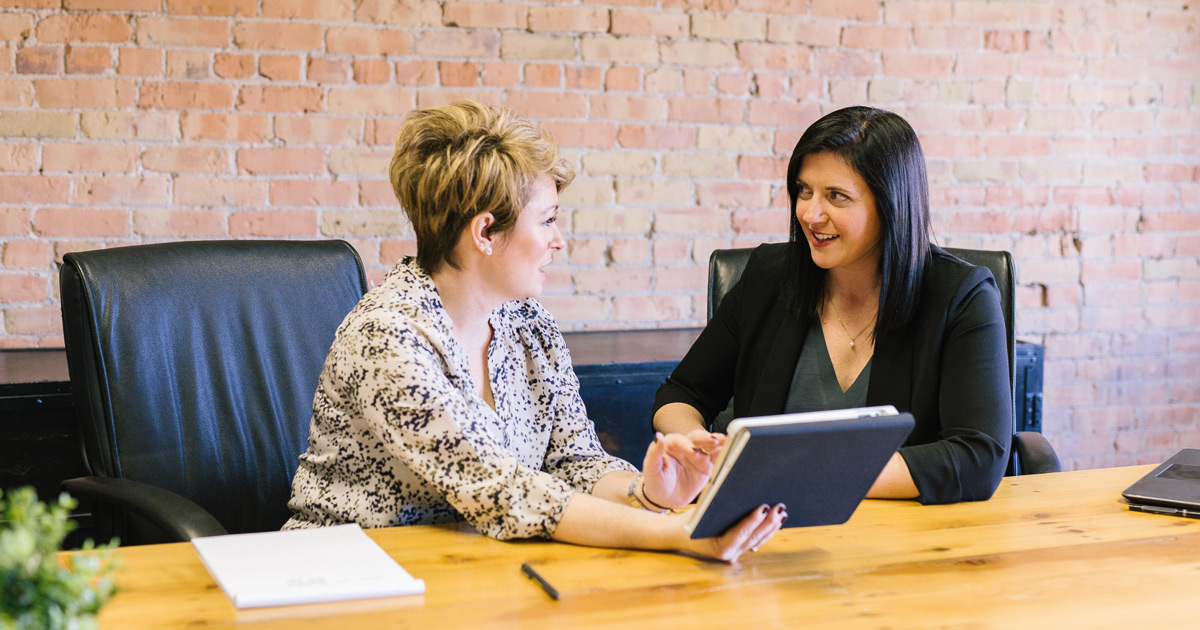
pixel 488 250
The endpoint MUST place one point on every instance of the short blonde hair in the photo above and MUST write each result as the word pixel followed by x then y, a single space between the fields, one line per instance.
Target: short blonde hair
pixel 457 161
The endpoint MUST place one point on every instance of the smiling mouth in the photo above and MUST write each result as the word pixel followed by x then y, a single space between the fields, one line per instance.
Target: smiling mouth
pixel 824 238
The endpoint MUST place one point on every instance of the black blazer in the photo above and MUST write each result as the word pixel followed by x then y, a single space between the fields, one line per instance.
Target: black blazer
pixel 949 368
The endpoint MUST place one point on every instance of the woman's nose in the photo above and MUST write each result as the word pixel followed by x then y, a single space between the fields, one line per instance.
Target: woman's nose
pixel 557 242
pixel 810 212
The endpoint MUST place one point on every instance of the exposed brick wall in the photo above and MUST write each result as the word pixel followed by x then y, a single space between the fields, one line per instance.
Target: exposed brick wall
pixel 1067 132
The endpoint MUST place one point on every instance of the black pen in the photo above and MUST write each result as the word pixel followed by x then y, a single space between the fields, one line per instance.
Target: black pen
pixel 1154 509
pixel 550 590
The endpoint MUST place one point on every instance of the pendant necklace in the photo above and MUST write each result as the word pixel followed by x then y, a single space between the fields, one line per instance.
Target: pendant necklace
pixel 843 323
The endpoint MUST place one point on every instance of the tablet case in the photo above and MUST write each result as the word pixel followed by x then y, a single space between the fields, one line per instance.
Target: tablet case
pixel 821 470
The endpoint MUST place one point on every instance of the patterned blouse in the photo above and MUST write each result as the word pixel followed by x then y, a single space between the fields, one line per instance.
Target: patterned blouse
pixel 399 435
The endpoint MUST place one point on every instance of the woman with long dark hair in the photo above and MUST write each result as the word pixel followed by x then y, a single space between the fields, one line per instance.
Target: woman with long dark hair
pixel 859 309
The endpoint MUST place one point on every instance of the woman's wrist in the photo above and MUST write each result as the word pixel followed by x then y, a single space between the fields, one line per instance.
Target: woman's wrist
pixel 631 495
pixel 653 505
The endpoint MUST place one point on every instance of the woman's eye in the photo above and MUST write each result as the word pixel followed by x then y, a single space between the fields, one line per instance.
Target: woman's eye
pixel 839 197
pixel 805 192
pixel 551 220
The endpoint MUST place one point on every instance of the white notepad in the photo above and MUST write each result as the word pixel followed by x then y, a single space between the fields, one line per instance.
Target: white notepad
pixel 303 566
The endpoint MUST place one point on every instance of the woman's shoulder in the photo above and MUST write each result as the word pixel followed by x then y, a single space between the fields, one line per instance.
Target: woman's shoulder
pixel 953 278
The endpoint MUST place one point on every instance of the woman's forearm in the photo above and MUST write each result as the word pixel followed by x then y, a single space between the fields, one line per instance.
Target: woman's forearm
pixel 678 418
pixel 895 482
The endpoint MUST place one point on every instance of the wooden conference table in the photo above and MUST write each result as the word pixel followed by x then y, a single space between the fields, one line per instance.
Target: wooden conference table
pixel 1048 551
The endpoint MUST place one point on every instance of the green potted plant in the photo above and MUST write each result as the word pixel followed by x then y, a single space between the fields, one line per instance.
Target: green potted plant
pixel 37 591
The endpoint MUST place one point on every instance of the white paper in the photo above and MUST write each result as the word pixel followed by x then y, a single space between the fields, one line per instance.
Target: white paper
pixel 303 566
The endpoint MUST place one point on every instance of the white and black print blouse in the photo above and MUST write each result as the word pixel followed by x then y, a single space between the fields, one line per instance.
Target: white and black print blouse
pixel 399 435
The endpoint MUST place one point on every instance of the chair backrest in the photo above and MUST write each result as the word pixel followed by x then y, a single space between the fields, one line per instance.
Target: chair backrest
pixel 725 266
pixel 193 365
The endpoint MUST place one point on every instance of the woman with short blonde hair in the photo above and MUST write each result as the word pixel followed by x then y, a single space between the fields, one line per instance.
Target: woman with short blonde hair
pixel 448 393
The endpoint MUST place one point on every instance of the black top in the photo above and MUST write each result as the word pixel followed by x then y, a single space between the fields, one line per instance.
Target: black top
pixel 949 368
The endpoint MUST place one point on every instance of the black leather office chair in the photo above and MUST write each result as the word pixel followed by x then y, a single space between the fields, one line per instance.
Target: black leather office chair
pixel 193 367
pixel 1031 452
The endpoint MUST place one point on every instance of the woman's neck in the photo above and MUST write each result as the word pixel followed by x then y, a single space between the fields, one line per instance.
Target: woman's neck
pixel 853 288
pixel 466 299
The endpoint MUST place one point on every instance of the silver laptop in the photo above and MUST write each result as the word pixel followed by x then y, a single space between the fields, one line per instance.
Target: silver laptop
pixel 1171 488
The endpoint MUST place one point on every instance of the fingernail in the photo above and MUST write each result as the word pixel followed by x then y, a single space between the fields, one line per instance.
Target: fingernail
pixel 762 511
pixel 783 518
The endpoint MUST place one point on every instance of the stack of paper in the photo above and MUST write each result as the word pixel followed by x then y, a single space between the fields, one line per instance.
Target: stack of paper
pixel 303 566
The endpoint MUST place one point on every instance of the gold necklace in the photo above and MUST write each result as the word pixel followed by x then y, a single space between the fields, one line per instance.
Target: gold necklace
pixel 843 323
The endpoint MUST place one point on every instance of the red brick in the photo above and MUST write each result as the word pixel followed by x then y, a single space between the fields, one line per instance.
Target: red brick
pixel 584 77
pixel 707 110
pixel 540 105
pixel 1018 146
pixel 622 107
pixel 189 64
pixel 280 98
pixel 77 158
pixel 783 114
pixel 622 79
pixel 179 223
pixel 458 44
pixel 586 135
pixel 292 192
pixel 277 36
pixel 598 49
pixel 225 127
pixel 733 194
pixel 370 101
pixel 39 320
pixel 573 19
pixel 363 41
pixel 233 66
pixel 501 73
pixel 140 62
pixel 802 30
pixel 334 71
pixel 698 53
pixel 690 221
pixel 783 57
pixel 947 38
pixel 405 12
pixel 185 95
pixel 736 26
pixel 18 157
pixel 15 26
pixel 14 221
pixel 229 8
pixel 35 189
pixel 273 223
pixel 85 93
pixel 302 130
pixel 122 191
pixel 376 193
pixel 416 73
pixel 17 93
pixel 660 137
pixel 458 73
pixel 752 167
pixel 281 161
pixel 846 64
pixel 219 192
pixel 854 10
pixel 81 222
pixel 26 255
pixel 876 37
pixel 84 28
pixel 608 280
pixel 164 159
pixel 663 308
pixel 649 23
pixel 323 10
pixel 285 67
pixel 485 15
pixel 445 96
pixel 22 288
pixel 183 32
pixel 39 60
pixel 371 71
pixel 539 75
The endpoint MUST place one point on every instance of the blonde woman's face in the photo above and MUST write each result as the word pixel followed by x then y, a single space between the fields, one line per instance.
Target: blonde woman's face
pixel 522 253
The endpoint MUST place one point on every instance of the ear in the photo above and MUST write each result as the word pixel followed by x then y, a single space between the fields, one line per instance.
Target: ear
pixel 478 230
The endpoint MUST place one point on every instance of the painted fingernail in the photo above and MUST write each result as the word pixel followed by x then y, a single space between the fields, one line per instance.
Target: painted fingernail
pixel 762 510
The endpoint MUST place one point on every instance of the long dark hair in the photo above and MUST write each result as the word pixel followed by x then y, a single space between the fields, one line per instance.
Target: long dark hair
pixel 883 149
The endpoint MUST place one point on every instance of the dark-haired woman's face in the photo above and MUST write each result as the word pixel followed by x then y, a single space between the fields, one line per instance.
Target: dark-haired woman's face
pixel 837 212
